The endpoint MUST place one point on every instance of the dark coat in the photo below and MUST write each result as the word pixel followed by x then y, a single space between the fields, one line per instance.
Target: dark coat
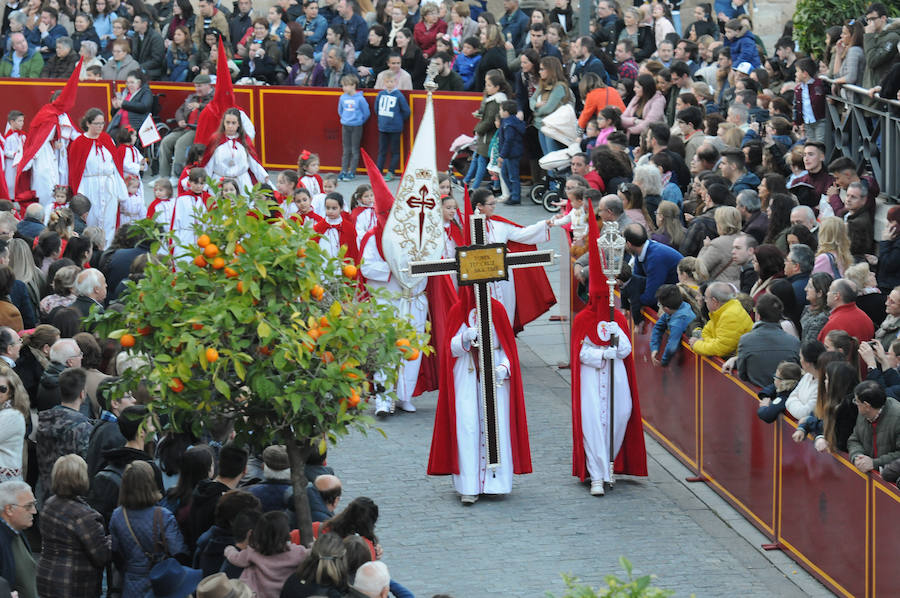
pixel 59 68
pixel 137 108
pixel 85 305
pixel 757 226
pixel 203 506
pixel 817 93
pixel 210 553
pixel 88 35
pixel 48 388
pixel 119 266
pixel 106 436
pixel 317 509
pixel 861 231
pixel 493 58
pixel 150 53
pixel 75 549
pixel 30 372
pixel 104 494
pixel 762 349
pixel 7 562
pixel 29 228
pixel 889 264
pixel 512 137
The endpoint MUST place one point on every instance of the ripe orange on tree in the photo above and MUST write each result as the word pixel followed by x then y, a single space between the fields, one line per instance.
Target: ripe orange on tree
pixel 317 292
pixel 211 355
pixel 176 385
pixel 230 273
pixel 349 270
pixel 301 252
pixel 211 250
pixel 197 326
pixel 239 249
pixel 127 340
pixel 240 286
pixel 203 240
pixel 412 355
pixel 218 263
pixel 199 261
pixel 324 323
pixel 327 357
pixel 315 333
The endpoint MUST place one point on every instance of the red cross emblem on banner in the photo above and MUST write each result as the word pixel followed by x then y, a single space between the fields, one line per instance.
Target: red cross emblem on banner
pixel 422 201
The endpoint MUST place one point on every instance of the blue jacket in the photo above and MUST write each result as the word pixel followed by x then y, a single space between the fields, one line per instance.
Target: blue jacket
pixel 353 109
pixel 676 324
pixel 357 30
pixel 660 266
pixel 515 26
pixel 729 10
pixel 743 49
pixel 35 39
pixel 466 67
pixel 392 110
pixel 747 181
pixel 512 137
pixel 314 32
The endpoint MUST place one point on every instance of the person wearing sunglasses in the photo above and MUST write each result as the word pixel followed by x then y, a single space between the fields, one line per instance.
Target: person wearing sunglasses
pixel 17 564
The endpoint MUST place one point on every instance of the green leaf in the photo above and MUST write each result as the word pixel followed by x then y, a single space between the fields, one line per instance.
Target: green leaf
pixel 263 330
pixel 222 387
pixel 261 269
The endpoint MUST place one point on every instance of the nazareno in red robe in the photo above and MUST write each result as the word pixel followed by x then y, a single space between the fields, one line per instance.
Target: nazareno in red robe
pixel 632 457
pixel 444 456
pixel 534 295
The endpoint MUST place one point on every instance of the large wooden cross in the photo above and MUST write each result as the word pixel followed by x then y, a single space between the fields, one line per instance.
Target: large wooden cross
pixel 478 265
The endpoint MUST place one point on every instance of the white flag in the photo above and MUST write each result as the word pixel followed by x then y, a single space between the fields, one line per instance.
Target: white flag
pixel 148 133
pixel 415 229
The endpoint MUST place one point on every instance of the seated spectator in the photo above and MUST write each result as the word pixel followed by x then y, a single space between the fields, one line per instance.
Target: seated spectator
pixel 845 314
pixel 727 322
pixel 17 510
pixel 62 429
pixel 323 495
pixel 676 316
pixel 323 572
pixel 33 223
pixel 134 425
pixel 774 397
pixel 889 329
pixel 768 261
pixel 22 61
pixel 765 346
pixel 881 365
pixel 835 414
pixel 798 267
pixel 802 400
pixel 756 223
pixel 63 61
pixel 816 313
pixel 655 265
pixel 234 504
pixel 875 441
pixel 121 63
pixel 869 299
pixel 716 253
pixel 75 547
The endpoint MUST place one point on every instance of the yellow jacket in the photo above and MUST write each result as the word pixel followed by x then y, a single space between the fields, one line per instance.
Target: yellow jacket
pixel 721 334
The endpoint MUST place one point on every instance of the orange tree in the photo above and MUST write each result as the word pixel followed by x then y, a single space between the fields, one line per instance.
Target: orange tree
pixel 256 323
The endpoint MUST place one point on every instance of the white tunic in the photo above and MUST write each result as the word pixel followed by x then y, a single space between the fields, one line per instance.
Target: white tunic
pixel 231 160
pixel 409 304
pixel 330 240
pixel 449 251
pixel 133 162
pixel 474 477
pixel 595 400
pixel 365 222
pixel 178 216
pixel 501 232
pixel 12 152
pixel 312 185
pixel 103 185
pixel 132 208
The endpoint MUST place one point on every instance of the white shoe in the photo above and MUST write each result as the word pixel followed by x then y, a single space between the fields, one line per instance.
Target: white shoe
pixel 468 499
pixel 597 489
pixel 381 413
pixel 406 406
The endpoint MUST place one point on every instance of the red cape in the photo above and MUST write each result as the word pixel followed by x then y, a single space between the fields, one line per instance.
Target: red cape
pixel 534 295
pixel 632 458
pixel 223 99
pixel 347 235
pixel 444 456
pixel 79 150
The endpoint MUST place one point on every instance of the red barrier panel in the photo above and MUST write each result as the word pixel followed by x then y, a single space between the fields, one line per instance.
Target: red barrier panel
pixel 738 450
pixel 287 119
pixel 668 396
pixel 824 515
pixel 28 95
pixel 885 515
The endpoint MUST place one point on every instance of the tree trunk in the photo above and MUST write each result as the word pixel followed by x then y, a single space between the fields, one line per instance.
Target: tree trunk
pixel 298 451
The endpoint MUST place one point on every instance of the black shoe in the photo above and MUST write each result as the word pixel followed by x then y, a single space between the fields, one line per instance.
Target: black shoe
pixel 513 203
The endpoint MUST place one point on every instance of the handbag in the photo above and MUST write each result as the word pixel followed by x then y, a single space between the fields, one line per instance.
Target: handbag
pixel 561 125
pixel 160 548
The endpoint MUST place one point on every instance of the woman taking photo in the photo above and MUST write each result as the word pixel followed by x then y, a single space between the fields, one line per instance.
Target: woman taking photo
pixel 496 91
pixel 647 106
pixel 94 170
pixel 552 93
pixel 75 545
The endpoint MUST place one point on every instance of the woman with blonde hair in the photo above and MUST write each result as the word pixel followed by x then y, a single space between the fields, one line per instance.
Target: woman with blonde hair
pixel 833 256
pixel 668 225
pixel 323 572
pixel 14 413
pixel 22 263
pixel 716 253
pixel 691 274
pixel 75 545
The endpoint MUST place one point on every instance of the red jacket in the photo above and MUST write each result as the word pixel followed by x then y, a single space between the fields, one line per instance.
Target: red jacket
pixel 817 93
pixel 426 39
pixel 852 319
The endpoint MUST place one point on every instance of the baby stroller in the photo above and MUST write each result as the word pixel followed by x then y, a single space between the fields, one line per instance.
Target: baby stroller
pixel 555 162
pixel 462 149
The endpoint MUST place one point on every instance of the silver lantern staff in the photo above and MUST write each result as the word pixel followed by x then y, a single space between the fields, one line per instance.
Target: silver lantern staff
pixel 611 244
